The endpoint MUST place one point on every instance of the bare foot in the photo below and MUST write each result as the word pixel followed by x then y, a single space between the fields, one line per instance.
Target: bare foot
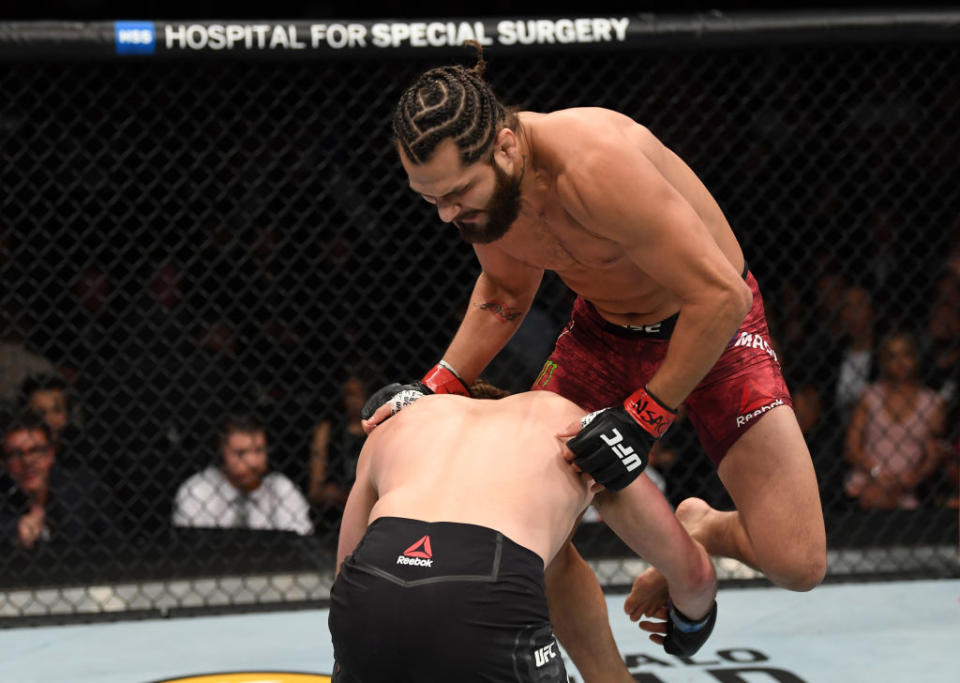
pixel 648 596
pixel 693 514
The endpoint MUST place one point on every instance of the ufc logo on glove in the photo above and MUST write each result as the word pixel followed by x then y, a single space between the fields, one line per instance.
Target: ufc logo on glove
pixel 627 455
pixel 614 443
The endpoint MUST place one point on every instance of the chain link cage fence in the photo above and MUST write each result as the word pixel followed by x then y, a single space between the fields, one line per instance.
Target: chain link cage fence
pixel 191 239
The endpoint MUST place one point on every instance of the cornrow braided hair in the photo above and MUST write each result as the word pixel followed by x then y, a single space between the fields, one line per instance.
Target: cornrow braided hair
pixel 448 102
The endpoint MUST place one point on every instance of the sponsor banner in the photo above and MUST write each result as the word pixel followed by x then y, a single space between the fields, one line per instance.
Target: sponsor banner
pixel 387 35
pixel 328 38
pixel 300 38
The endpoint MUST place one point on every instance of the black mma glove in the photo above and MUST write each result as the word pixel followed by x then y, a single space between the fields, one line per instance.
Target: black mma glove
pixel 684 636
pixel 441 379
pixel 614 444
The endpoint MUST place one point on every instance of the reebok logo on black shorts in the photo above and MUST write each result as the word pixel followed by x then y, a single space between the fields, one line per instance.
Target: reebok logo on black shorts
pixel 419 554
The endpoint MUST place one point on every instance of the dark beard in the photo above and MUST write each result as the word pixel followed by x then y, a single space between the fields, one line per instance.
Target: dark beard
pixel 502 209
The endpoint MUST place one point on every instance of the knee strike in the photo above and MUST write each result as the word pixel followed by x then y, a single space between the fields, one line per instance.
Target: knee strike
pixel 800 571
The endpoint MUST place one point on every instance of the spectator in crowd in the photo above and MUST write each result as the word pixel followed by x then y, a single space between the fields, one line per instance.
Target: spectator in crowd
pixel 893 441
pixel 240 492
pixel 44 502
pixel 46 395
pixel 334 450
pixel 856 362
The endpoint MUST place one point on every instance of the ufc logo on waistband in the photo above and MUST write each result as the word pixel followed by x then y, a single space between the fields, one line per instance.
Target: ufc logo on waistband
pixel 627 455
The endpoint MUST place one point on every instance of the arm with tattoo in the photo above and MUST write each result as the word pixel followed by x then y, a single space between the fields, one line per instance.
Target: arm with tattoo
pixel 501 311
pixel 492 317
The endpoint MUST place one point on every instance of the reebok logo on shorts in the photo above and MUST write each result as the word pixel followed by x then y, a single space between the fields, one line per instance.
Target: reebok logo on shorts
pixel 419 554
pixel 744 419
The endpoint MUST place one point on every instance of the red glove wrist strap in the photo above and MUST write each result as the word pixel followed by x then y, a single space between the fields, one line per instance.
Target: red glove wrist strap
pixel 441 379
pixel 649 412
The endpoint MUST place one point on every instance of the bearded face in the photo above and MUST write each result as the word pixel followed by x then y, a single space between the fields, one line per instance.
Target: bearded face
pixel 501 211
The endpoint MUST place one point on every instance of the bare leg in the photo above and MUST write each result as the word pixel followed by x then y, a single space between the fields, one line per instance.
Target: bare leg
pixel 578 611
pixel 777 527
pixel 778 524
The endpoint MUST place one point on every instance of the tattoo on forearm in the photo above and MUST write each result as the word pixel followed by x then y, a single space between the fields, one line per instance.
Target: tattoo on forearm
pixel 502 312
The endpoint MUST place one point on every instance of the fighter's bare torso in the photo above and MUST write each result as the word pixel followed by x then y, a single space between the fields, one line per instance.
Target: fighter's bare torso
pixel 493 463
pixel 547 236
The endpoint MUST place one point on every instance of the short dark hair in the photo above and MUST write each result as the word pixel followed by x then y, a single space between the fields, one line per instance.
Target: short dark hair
pixel 483 389
pixel 42 382
pixel 244 423
pixel 449 102
pixel 26 421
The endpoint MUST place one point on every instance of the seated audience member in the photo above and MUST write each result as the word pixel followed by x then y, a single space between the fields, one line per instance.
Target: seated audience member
pixel 893 441
pixel 239 492
pixel 334 451
pixel 47 395
pixel 458 506
pixel 45 502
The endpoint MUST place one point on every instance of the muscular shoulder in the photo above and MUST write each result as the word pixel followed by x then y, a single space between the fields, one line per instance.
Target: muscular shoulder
pixel 597 156
pixel 572 139
pixel 569 128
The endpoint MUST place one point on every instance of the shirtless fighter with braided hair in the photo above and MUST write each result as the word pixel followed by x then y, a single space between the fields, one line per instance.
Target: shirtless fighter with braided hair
pixel 667 313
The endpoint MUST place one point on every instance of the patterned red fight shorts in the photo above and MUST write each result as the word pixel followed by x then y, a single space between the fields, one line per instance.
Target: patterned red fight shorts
pixel 597 364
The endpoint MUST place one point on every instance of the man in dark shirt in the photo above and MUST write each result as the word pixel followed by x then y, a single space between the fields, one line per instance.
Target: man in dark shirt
pixel 41 502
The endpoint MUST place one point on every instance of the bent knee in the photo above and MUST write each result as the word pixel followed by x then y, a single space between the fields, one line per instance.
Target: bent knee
pixel 799 571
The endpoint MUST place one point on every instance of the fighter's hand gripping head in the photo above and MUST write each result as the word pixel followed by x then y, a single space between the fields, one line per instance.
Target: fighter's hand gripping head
pixel 613 445
pixel 391 399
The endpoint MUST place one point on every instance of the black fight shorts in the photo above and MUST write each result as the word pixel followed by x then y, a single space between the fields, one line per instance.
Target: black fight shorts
pixel 419 602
